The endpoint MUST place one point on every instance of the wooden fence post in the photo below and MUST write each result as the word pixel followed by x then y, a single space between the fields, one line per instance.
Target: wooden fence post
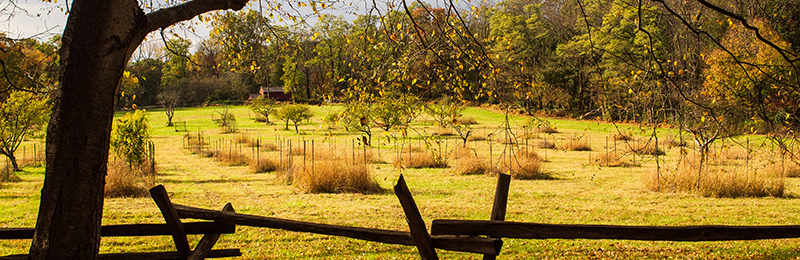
pixel 159 194
pixel 500 203
pixel 419 232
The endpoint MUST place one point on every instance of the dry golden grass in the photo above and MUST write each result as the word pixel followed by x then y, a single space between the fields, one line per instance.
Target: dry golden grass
pixel 125 181
pixel 420 160
pixel 547 130
pixel 467 161
pixel 231 158
pixel 791 170
pixel 622 137
pixel 526 165
pixel 268 147
pixel 610 160
pixel 243 139
pixel 468 121
pixel 720 181
pixel 7 175
pixel 329 172
pixel 546 145
pixel 264 165
pixel 734 153
pixel 476 137
pixel 461 152
pixel 331 176
pixel 442 131
pixel 576 145
pixel 644 148
pixel 470 165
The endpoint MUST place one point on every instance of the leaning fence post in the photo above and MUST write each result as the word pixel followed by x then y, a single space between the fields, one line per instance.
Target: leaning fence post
pixel 207 242
pixel 500 203
pixel 419 232
pixel 159 194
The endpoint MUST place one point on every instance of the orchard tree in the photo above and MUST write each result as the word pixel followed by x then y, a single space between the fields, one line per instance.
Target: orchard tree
pixel 99 38
pixel 21 115
pixel 295 113
pixel 264 106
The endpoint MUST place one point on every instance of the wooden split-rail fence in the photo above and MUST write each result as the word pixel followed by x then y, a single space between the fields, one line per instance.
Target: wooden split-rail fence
pixel 473 236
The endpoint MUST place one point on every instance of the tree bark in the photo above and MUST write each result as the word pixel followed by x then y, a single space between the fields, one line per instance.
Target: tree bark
pixel 98 40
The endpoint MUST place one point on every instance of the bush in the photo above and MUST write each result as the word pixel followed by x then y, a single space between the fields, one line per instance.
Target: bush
pixel 720 181
pixel 123 180
pixel 130 137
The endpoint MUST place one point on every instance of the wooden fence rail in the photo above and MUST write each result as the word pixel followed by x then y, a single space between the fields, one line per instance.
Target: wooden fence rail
pixel 652 233
pixel 173 227
pixel 473 236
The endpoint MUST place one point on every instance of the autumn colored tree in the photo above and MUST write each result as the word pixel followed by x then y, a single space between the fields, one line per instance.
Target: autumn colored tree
pixel 99 38
pixel 22 114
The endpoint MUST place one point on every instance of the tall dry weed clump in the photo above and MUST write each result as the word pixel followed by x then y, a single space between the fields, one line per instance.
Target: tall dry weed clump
pixel 330 172
pixel 578 144
pixel 124 180
pixel 263 165
pixel 724 181
pixel 525 165
pixel 422 159
pixel 467 162
pixel 612 160
pixel 231 158
pixel 645 148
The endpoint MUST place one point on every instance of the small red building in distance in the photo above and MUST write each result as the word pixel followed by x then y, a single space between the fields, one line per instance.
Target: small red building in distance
pixel 275 93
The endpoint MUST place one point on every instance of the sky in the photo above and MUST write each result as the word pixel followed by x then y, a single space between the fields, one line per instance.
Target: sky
pixel 42 20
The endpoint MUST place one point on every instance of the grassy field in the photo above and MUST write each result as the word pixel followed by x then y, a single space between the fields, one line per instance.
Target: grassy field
pixel 580 193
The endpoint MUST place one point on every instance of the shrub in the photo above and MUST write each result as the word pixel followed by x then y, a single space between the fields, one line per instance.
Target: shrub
pixel 130 137
pixel 123 180
pixel 720 181
pixel 470 165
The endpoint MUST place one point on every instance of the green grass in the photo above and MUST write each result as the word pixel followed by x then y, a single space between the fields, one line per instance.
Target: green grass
pixel 581 193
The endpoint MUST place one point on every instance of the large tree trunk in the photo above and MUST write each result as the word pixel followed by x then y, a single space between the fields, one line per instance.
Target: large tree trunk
pixel 93 56
pixel 98 40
